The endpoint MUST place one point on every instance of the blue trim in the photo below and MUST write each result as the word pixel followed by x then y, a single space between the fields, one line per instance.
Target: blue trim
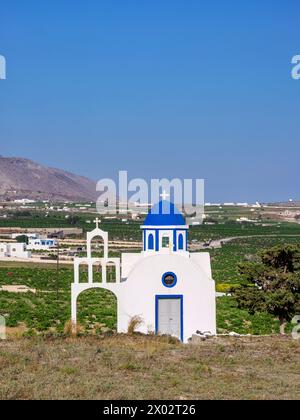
pixel 164 228
pixel 164 276
pixel 174 240
pixel 157 240
pixel 180 242
pixel 150 242
pixel 156 231
pixel 157 297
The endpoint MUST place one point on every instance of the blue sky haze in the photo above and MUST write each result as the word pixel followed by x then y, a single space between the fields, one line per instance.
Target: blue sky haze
pixel 171 88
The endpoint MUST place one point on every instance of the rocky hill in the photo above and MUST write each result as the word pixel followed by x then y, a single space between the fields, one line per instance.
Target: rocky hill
pixel 23 178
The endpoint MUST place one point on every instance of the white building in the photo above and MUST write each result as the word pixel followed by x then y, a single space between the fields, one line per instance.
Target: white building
pixel 246 220
pixel 169 288
pixel 39 244
pixel 14 250
pixel 24 201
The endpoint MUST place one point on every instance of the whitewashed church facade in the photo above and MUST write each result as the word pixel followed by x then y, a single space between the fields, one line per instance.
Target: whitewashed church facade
pixel 168 287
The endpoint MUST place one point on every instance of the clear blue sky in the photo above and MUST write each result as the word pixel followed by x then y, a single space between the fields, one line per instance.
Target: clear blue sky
pixel 170 88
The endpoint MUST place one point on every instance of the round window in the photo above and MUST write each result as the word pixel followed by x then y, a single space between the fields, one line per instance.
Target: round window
pixel 169 279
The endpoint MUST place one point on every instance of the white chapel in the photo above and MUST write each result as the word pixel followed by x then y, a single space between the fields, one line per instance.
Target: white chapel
pixel 168 287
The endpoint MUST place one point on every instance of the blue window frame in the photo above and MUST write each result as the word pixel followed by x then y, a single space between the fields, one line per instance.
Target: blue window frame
pixel 157 297
pixel 150 241
pixel 169 279
pixel 180 241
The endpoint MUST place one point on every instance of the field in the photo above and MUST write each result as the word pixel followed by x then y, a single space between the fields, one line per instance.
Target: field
pixel 225 259
pixel 115 227
pixel 129 367
pixel 224 219
pixel 49 309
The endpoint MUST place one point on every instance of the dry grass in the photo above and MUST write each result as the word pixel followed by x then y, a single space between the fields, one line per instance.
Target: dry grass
pixel 16 332
pixel 71 329
pixel 138 367
pixel 134 323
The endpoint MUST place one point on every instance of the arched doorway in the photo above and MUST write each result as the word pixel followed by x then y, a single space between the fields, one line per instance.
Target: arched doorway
pixel 97 310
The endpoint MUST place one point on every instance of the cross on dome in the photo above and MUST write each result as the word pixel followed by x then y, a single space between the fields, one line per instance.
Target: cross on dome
pixel 97 221
pixel 164 195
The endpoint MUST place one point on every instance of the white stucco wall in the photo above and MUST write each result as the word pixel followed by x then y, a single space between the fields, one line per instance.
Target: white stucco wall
pixel 203 260
pixel 140 282
pixel 136 296
pixel 129 260
pixel 3 249
pixel 14 250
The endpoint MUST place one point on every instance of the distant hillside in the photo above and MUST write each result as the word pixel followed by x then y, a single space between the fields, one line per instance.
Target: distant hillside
pixel 23 178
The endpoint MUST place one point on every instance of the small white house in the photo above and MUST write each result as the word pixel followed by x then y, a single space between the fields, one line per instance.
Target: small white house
pixel 39 244
pixel 168 287
pixel 14 250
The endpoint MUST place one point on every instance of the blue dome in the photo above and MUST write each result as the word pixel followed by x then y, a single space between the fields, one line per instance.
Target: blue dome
pixel 164 214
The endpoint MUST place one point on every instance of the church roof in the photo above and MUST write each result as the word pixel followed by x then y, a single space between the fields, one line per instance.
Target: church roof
pixel 164 213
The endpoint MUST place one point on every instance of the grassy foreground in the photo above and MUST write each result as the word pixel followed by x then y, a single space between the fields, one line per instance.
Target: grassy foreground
pixel 139 367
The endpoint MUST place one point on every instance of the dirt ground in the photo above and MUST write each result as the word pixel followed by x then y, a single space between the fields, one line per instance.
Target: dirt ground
pixel 16 289
pixel 138 367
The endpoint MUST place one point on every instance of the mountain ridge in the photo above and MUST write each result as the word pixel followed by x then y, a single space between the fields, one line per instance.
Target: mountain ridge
pixel 25 178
